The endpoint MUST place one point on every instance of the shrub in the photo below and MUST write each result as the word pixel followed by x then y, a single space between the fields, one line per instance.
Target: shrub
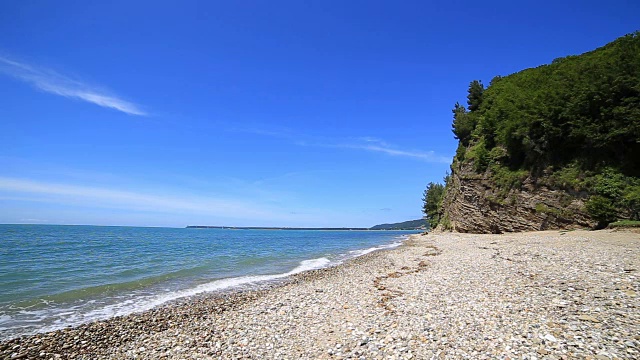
pixel 460 152
pixel 602 210
pixel 631 201
pixel 625 223
pixel 498 154
pixel 480 157
pixel 446 223
pixel 507 179
pixel 569 177
pixel 544 209
pixel 610 183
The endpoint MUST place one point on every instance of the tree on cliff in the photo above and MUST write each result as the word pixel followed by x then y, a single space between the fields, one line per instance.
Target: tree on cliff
pixel 465 122
pixel 474 98
pixel 573 124
pixel 432 198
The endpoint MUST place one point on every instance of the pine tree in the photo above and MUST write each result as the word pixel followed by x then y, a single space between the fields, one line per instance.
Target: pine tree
pixel 474 99
pixel 463 124
pixel 432 198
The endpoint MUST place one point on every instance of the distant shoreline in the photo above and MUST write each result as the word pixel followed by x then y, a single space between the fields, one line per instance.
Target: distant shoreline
pixel 266 228
pixel 416 225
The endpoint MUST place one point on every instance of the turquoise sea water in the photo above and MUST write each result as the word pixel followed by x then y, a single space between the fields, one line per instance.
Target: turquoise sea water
pixel 52 276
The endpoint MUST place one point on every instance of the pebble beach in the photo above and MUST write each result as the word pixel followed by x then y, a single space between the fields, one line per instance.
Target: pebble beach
pixel 539 295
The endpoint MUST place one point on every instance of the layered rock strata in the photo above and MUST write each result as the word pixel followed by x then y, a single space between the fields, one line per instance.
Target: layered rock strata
pixel 474 204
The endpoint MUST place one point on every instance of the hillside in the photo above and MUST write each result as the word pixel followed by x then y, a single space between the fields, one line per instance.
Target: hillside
pixel 405 225
pixel 556 146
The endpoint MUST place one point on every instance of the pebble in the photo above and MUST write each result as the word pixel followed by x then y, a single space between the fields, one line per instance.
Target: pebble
pixel 588 318
pixel 518 296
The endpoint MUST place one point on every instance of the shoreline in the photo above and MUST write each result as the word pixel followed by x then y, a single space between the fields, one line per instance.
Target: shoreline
pixel 84 304
pixel 550 294
pixel 222 298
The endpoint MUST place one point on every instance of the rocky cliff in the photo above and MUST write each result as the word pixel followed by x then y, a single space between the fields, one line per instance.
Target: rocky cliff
pixel 473 204
pixel 550 147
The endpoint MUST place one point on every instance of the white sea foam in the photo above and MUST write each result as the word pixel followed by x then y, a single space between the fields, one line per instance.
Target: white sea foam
pixel 29 314
pixel 74 316
pixel 360 252
pixel 306 265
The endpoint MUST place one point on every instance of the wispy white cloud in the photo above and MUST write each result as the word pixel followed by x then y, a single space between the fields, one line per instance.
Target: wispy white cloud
pixel 301 175
pixel 429 156
pixel 360 143
pixel 29 220
pixel 269 131
pixel 58 84
pixel 43 191
pixel 377 145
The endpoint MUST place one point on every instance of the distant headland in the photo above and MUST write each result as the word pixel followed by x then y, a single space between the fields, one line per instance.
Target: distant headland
pixel 265 228
pixel 419 224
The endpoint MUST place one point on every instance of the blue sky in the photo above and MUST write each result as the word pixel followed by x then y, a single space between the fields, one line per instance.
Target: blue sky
pixel 254 113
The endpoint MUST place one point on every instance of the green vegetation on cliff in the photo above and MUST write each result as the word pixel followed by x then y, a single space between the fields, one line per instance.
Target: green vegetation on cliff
pixel 572 125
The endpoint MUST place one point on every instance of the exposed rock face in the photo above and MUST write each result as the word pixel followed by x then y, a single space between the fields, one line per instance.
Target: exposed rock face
pixel 473 204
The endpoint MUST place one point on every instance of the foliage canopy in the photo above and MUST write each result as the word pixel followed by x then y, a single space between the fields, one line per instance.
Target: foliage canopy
pixel 578 116
pixel 432 200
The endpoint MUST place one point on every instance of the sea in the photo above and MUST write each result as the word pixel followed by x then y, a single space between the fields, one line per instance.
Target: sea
pixel 54 276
